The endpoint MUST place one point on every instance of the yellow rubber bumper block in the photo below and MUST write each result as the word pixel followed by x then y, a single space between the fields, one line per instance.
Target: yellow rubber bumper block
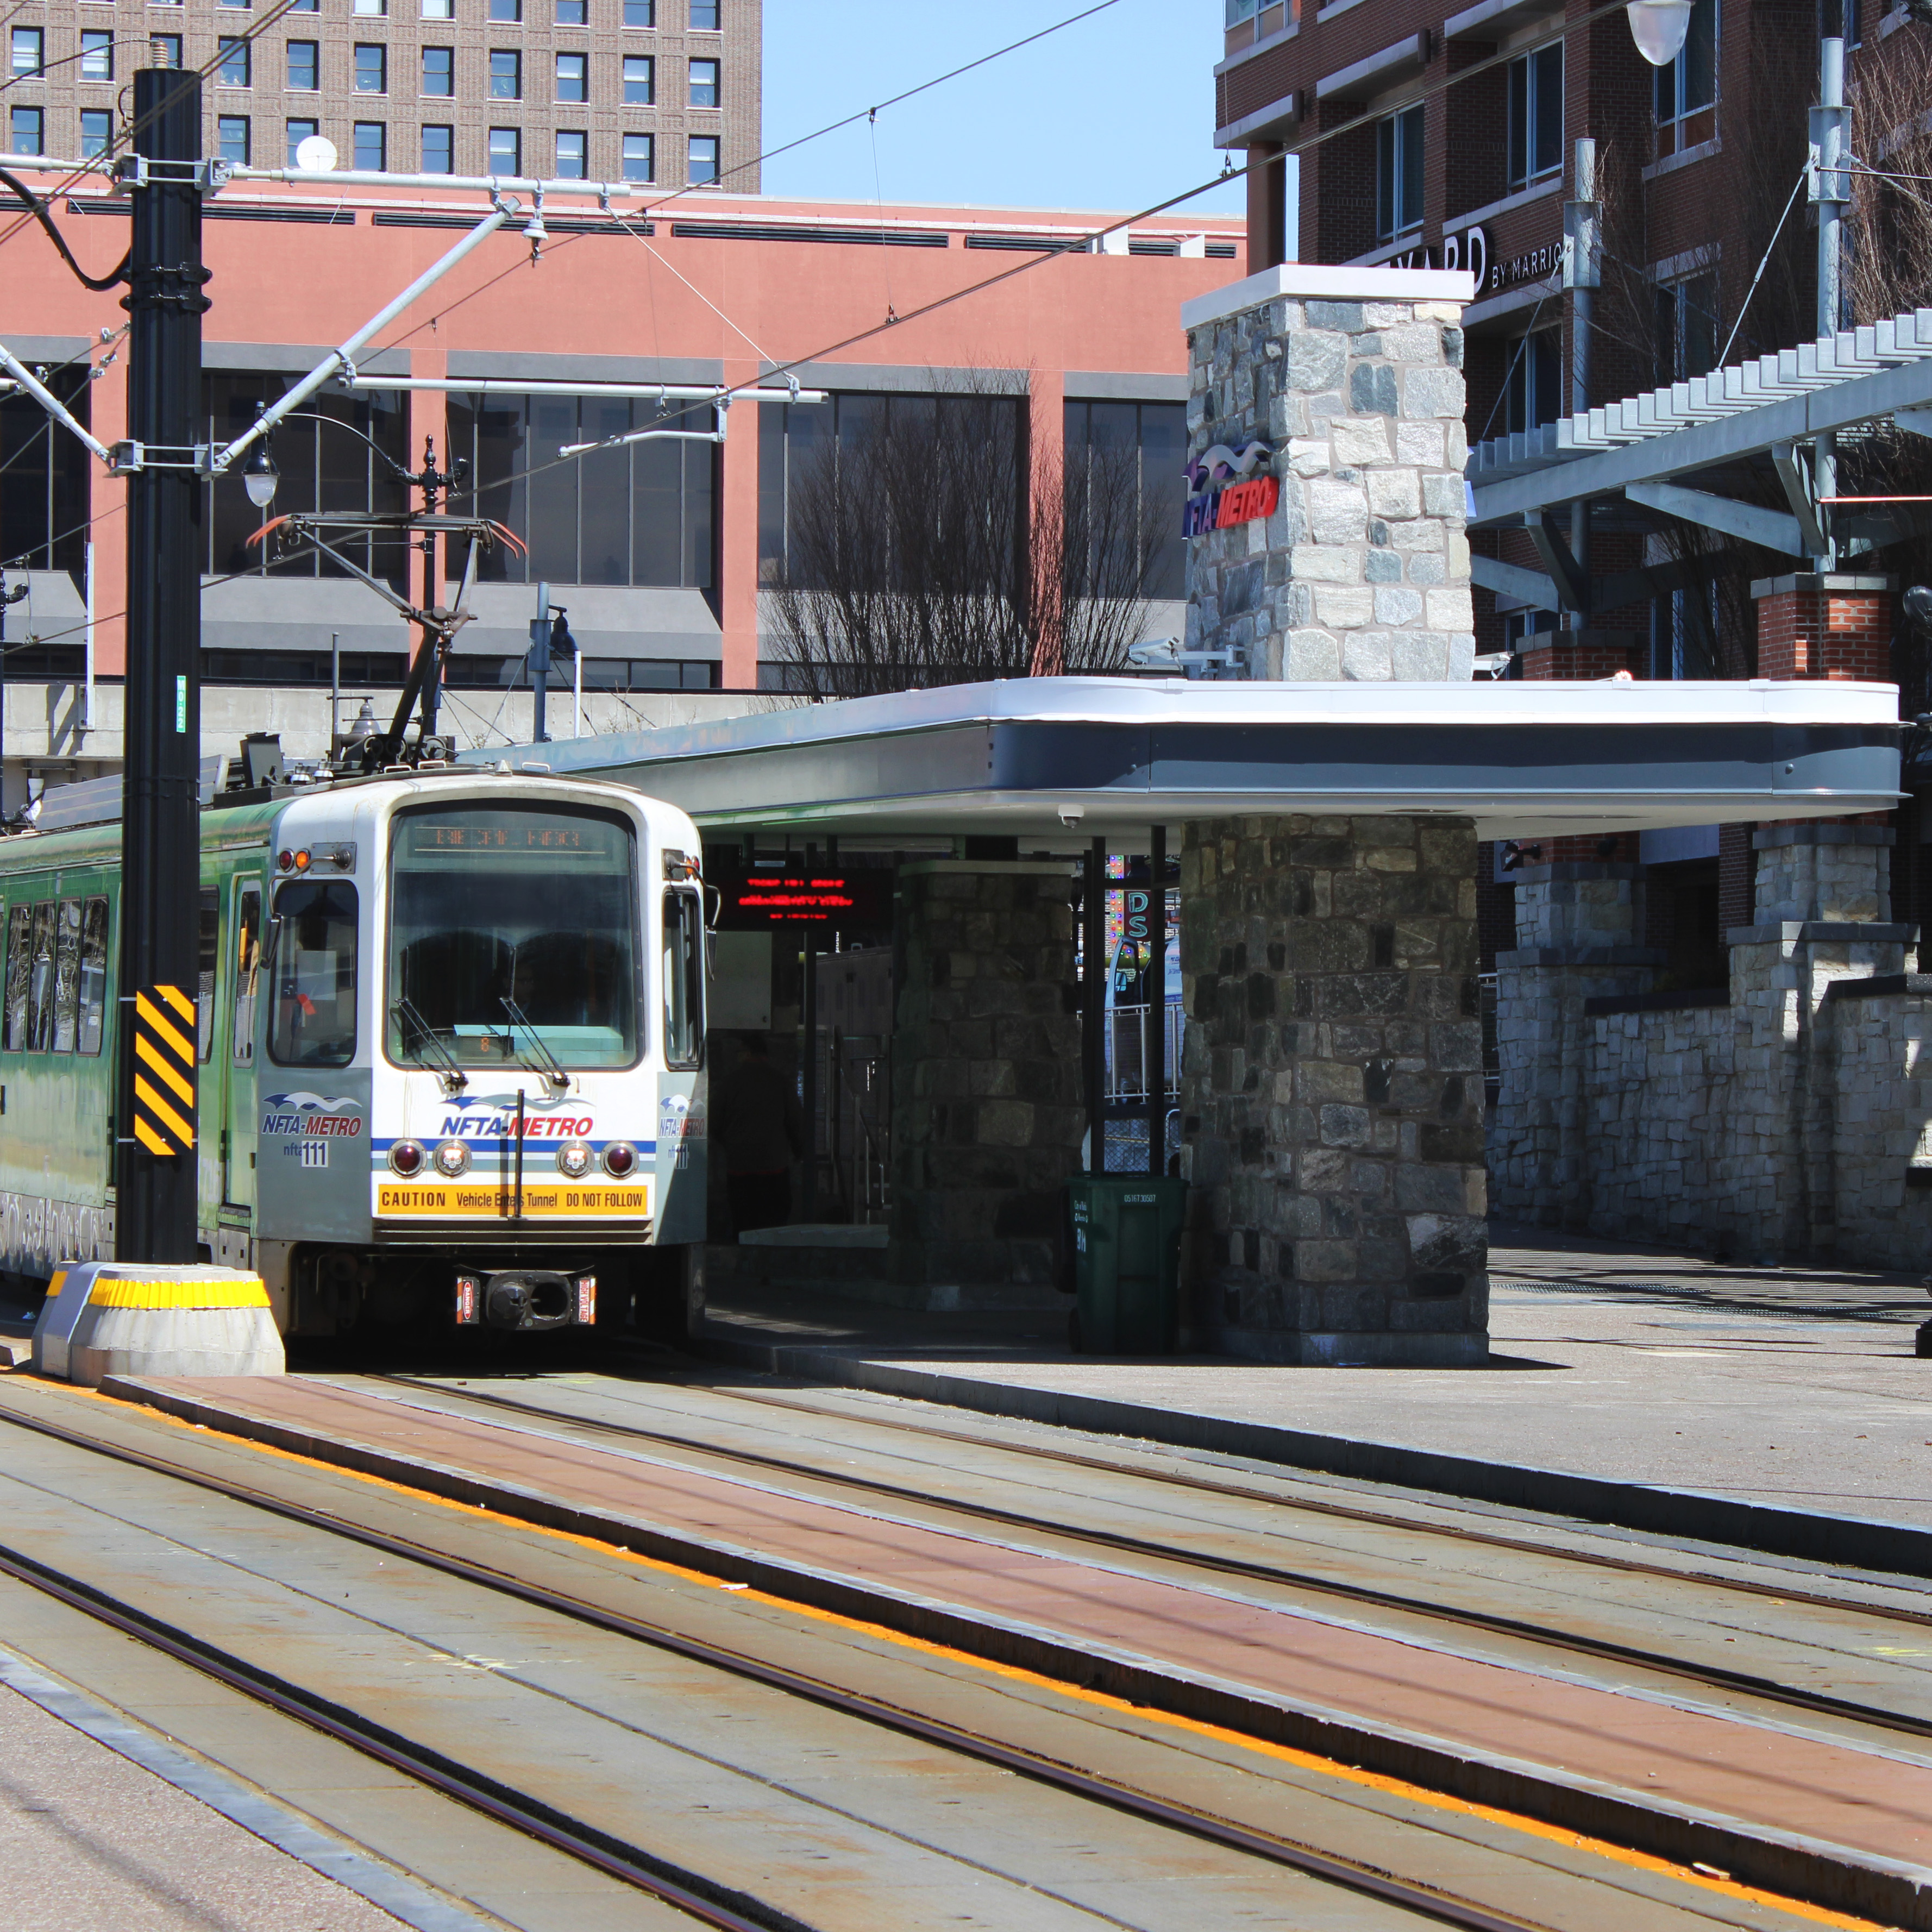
pixel 117 1319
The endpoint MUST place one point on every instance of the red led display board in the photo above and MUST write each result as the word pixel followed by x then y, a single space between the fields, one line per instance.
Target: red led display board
pixel 839 898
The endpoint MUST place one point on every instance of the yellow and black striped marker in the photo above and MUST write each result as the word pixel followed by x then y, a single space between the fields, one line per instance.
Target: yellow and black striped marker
pixel 164 1030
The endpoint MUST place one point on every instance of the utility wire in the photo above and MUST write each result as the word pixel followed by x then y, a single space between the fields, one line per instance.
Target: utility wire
pixel 38 209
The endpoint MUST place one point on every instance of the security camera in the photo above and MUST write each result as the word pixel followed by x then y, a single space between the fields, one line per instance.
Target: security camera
pixel 1070 816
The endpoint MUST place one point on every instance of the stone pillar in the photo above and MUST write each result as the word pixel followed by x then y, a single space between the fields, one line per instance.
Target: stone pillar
pixel 1361 571
pixel 1578 923
pixel 987 1113
pixel 1332 1090
pixel 1823 914
pixel 1824 625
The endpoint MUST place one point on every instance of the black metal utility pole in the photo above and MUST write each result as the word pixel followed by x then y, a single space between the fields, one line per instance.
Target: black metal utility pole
pixel 154 1108
pixel 1155 1057
pixel 1094 967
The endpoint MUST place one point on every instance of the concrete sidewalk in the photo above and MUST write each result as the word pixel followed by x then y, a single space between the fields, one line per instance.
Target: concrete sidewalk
pixel 1781 1409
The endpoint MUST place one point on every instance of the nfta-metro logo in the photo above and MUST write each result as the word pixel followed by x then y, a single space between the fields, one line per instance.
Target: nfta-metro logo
pixel 1226 490
pixel 310 1115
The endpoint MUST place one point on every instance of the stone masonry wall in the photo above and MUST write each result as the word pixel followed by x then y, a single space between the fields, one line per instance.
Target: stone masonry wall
pixel 1331 1089
pixel 1792 1124
pixel 1362 571
pixel 987 1110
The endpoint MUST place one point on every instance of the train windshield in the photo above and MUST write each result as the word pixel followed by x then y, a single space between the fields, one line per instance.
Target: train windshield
pixel 513 938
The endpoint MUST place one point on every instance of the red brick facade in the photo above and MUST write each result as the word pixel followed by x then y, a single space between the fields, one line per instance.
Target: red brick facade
pixel 1563 655
pixel 1834 627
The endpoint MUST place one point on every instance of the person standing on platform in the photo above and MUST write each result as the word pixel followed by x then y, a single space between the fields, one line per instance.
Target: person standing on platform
pixel 757 1123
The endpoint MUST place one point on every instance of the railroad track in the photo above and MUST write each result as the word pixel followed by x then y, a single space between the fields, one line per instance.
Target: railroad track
pixel 1707 1676
pixel 689 1890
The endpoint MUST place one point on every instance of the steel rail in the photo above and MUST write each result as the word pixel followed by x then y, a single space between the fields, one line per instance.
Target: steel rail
pixel 1714 1676
pixel 1380 1519
pixel 610 1854
pixel 687 1892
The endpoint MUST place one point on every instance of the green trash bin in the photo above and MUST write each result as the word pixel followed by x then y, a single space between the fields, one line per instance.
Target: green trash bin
pixel 1126 1263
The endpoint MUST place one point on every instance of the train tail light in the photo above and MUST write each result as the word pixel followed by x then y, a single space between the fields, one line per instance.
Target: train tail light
pixel 586 1299
pixel 469 1300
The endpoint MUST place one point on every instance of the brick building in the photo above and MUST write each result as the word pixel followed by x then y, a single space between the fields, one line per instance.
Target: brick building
pixel 662 91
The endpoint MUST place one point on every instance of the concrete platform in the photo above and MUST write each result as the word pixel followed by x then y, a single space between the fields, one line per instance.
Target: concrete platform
pixel 1782 1410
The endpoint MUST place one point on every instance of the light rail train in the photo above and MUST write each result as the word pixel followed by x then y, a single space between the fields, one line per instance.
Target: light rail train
pixel 451 1036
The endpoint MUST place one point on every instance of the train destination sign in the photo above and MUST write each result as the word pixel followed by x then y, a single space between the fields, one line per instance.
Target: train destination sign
pixel 842 899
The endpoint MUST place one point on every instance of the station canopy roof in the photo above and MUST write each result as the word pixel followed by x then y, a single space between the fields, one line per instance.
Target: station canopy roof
pixel 1044 758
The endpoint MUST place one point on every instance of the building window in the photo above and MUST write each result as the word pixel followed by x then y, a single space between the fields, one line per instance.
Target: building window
pixel 295 134
pixel 439 150
pixel 320 465
pixel 1536 115
pixel 372 67
pixel 1121 462
pixel 506 9
pixel 1399 174
pixel 26 127
pixel 439 70
pixel 506 151
pixel 164 49
pixel 1686 89
pixel 45 499
pixel 641 515
pixel 232 62
pixel 242 4
pixel 506 74
pixel 704 16
pixel 372 6
pixel 298 6
pixel 1533 385
pixel 573 153
pixel 573 76
pixel 372 147
pixel 641 12
pixel 640 158
pixel 570 14
pixel 29 50
pixel 304 66
pixel 704 83
pixel 97 132
pixel 641 86
pixel 97 56
pixel 438 10
pixel 704 166
pixel 1687 328
pixel 231 139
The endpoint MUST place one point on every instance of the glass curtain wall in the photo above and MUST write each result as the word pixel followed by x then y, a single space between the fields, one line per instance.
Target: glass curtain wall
pixel 1136 451
pixel 644 514
pixel 323 467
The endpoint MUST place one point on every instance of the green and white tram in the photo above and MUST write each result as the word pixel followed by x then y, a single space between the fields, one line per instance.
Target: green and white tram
pixel 450 1031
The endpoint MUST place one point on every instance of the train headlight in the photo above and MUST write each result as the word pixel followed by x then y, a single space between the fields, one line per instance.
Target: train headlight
pixel 620 1160
pixel 452 1158
pixel 406 1158
pixel 573 1159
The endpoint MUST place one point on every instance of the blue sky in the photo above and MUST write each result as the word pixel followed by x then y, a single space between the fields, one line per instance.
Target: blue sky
pixel 1115 113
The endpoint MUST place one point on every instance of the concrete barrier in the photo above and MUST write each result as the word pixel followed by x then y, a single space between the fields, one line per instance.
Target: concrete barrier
pixel 124 1319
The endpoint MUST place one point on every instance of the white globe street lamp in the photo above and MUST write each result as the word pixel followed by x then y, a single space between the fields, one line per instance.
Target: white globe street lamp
pixel 259 475
pixel 1658 27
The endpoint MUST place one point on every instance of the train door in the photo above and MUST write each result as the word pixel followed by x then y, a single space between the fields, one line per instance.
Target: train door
pixel 245 966
pixel 211 1090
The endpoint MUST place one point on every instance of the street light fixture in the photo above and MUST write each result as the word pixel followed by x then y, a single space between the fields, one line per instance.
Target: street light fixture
pixel 1659 28
pixel 259 475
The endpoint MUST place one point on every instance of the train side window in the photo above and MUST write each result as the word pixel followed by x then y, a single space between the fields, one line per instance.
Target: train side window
pixel 313 979
pixel 66 976
pixel 211 952
pixel 683 979
pixel 248 966
pixel 93 975
pixel 40 979
pixel 19 964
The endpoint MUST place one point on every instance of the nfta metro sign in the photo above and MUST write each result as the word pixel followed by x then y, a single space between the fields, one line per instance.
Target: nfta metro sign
pixel 838 898
pixel 1226 490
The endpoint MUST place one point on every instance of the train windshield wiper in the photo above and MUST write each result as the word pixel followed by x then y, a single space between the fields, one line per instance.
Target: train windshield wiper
pixel 540 1059
pixel 449 1071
